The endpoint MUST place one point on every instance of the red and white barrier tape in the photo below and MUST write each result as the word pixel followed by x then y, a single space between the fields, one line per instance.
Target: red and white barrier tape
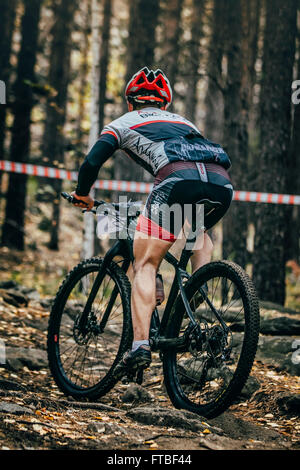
pixel 133 186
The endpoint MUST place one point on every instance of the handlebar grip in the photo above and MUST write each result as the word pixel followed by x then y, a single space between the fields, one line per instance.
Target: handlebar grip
pixel 72 200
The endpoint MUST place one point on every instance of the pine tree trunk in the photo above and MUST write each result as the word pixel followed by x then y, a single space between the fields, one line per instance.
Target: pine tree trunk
pixel 104 57
pixel 194 54
pixel 59 77
pixel 143 17
pixel 214 100
pixel 236 133
pixel 13 227
pixel 292 238
pixel 103 62
pixel 88 247
pixel 83 79
pixel 241 55
pixel 8 13
pixel 171 37
pixel 275 133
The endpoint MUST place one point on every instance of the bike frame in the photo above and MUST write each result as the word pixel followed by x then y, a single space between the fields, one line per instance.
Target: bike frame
pixel 124 249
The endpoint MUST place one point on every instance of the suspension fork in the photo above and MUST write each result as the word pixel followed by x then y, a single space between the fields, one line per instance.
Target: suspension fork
pixel 112 299
pixel 115 250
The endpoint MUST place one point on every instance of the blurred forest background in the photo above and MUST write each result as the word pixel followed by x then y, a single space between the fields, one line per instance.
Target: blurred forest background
pixel 231 64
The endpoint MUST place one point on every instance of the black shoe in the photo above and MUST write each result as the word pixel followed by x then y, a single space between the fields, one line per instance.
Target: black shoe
pixel 133 360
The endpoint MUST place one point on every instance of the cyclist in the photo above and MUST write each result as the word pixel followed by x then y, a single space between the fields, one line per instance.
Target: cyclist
pixel 186 167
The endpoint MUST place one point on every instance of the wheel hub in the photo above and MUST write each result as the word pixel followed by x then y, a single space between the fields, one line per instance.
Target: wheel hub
pixel 91 328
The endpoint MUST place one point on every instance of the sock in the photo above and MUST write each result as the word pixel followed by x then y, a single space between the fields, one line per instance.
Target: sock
pixel 137 344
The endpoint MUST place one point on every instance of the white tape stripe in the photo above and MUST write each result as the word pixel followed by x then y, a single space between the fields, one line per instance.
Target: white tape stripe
pixel 139 187
pixel 7 166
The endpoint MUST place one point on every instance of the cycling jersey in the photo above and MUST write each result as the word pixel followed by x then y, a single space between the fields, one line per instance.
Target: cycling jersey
pixel 187 167
pixel 153 138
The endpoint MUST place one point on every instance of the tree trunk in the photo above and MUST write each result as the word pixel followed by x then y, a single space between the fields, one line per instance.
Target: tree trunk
pixel 88 247
pixel 13 227
pixel 194 58
pixel 236 134
pixel 104 58
pixel 59 77
pixel 214 100
pixel 171 36
pixel 275 133
pixel 8 14
pixel 83 80
pixel 143 17
pixel 237 101
pixel 292 239
pixel 103 70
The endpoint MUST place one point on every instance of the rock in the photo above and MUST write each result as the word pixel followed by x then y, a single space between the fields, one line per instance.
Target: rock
pixel 171 418
pixel 10 385
pixel 16 289
pixel 264 304
pixel 289 403
pixel 10 284
pixel 280 326
pixel 46 303
pixel 278 351
pixel 6 407
pixel 250 387
pixel 108 428
pixel 14 297
pixel 40 324
pixel 32 294
pixel 34 359
pixel 96 428
pixel 136 394
pixel 237 428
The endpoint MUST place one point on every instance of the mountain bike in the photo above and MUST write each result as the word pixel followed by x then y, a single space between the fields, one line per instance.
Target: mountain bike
pixel 206 336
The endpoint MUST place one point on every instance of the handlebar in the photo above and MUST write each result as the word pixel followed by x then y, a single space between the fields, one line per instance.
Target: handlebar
pixel 73 200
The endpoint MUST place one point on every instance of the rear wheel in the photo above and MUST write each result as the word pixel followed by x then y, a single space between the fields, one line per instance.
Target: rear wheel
pixel 82 364
pixel 210 371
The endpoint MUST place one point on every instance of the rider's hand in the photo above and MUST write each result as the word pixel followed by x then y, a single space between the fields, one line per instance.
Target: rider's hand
pixel 87 199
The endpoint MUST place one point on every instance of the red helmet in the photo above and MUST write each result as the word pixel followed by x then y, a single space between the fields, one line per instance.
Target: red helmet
pixel 149 85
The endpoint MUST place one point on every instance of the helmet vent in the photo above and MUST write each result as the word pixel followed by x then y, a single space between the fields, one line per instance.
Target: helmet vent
pixel 150 77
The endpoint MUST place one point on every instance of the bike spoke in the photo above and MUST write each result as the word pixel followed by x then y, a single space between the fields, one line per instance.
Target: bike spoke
pixel 203 372
pixel 85 359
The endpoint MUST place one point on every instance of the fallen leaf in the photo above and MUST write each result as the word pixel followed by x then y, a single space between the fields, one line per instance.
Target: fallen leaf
pixel 154 446
pixel 206 431
pixel 38 428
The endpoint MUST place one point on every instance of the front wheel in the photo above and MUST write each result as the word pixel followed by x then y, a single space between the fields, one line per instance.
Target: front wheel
pixel 208 374
pixel 82 362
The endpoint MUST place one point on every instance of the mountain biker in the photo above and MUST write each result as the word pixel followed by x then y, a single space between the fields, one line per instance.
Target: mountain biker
pixel 187 168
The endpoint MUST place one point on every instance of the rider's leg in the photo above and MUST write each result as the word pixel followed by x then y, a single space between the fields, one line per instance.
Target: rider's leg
pixel 148 254
pixel 202 256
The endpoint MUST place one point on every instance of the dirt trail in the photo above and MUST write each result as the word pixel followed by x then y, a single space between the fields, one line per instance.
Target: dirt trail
pixel 35 415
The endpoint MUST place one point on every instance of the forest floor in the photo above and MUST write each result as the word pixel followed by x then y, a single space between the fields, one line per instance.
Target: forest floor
pixel 34 414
